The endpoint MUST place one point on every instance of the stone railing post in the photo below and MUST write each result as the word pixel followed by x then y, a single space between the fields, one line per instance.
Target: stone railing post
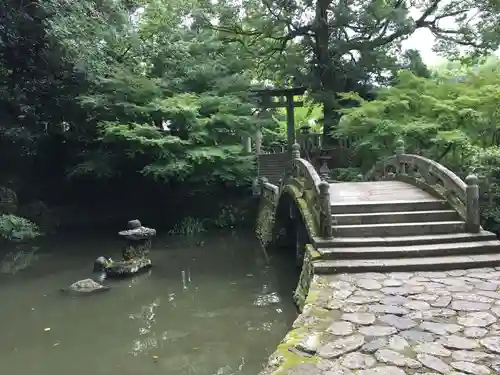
pixel 258 142
pixel 472 210
pixel 263 181
pixel 325 209
pixel 400 150
pixel 295 151
pixel 295 156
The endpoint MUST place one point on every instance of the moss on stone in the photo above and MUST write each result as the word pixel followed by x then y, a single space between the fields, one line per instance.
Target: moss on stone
pixel 289 358
pixel 309 220
pixel 265 222
pixel 312 296
pixel 302 290
pixel 293 359
pixel 315 254
pixel 308 217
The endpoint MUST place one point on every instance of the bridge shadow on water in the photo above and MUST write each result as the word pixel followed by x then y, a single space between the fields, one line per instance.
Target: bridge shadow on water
pixel 287 248
pixel 290 235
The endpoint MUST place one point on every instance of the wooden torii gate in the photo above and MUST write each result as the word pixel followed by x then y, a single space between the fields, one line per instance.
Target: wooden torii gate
pixel 282 98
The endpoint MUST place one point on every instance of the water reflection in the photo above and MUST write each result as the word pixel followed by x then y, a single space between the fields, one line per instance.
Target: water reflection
pixel 267 296
pixel 143 277
pixel 185 279
pixel 228 370
pixel 226 322
pixel 265 326
pixel 147 318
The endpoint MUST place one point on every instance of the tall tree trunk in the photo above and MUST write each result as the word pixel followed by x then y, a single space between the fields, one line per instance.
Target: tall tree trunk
pixel 325 69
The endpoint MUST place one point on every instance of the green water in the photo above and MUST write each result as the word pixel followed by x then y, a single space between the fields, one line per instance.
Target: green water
pixel 216 309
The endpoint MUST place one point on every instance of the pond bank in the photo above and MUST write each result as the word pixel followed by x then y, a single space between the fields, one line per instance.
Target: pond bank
pixel 396 324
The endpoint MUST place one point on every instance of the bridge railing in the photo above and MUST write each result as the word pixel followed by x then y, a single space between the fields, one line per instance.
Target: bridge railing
pixel 316 192
pixel 430 175
pixel 268 191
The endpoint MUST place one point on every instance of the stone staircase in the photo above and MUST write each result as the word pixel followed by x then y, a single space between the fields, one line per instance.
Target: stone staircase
pixel 371 232
pixel 273 166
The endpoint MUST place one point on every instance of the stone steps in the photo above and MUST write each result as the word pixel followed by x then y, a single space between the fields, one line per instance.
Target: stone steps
pixel 398 229
pixel 272 166
pixel 395 217
pixel 357 207
pixel 409 251
pixel 406 264
pixel 418 233
pixel 452 238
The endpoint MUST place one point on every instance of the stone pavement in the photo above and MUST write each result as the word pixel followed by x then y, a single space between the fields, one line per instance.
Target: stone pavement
pixel 395 324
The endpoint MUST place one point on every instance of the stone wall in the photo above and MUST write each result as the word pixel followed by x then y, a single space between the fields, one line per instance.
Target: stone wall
pixel 293 349
pixel 306 275
pixel 299 345
pixel 264 226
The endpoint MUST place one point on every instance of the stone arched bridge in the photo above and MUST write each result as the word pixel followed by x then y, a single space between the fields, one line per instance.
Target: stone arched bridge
pixel 409 214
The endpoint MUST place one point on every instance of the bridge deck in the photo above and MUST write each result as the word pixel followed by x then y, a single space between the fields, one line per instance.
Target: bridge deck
pixel 381 191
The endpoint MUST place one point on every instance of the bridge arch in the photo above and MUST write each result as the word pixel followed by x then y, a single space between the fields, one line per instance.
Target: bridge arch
pixel 284 219
pixel 293 226
pixel 297 212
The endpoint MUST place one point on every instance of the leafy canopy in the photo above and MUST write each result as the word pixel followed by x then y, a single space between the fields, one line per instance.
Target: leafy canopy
pixel 177 108
pixel 452 117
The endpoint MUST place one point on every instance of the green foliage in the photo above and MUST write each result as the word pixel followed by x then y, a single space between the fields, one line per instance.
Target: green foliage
pixel 485 162
pixel 15 228
pixel 189 227
pixel 231 216
pixel 451 119
pixel 412 61
pixel 430 114
pixel 183 118
pixel 346 174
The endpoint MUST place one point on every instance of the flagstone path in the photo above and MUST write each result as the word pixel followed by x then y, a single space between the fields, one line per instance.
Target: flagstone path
pixel 425 323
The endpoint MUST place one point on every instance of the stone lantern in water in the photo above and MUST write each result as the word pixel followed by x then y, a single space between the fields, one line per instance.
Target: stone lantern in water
pixel 134 260
pixel 138 240
pixel 134 254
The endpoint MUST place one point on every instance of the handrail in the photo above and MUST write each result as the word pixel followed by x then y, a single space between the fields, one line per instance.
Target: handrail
pixel 314 191
pixel 268 190
pixel 320 191
pixel 427 167
pixel 464 196
pixel 306 169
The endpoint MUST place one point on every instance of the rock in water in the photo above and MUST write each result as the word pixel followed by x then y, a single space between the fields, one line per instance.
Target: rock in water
pixel 86 286
pixel 101 263
pixel 127 267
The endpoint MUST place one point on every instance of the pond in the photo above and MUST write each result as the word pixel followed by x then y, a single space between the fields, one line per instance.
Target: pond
pixel 214 308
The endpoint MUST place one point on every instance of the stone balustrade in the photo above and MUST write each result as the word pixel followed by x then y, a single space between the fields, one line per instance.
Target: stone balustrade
pixel 435 179
pixel 318 191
